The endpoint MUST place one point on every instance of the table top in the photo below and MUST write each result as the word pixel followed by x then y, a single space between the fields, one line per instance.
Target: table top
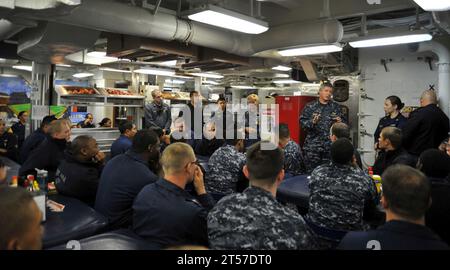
pixel 76 221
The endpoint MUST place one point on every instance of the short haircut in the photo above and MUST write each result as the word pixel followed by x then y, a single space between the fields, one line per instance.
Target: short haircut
pixel 87 115
pixel 396 101
pixel 154 92
pixel 340 130
pixel 15 209
pixel 326 84
pixel 157 130
pixel 143 139
pixel 394 135
pixel 283 131
pixel 21 113
pixel 264 165
pixel 342 151
pixel 175 157
pixel 435 163
pixel 429 95
pixel 57 126
pixel 221 99
pixel 79 143
pixel 252 98
pixel 124 126
pixel 104 121
pixel 191 93
pixel 47 120
pixel 406 190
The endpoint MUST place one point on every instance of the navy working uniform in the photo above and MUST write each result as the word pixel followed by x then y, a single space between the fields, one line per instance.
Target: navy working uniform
pixel 338 197
pixel 121 145
pixel 8 142
pixel 293 159
pixel 19 130
pixel 394 235
pixel 46 156
pixel 224 166
pixel 399 121
pixel 78 179
pixel 158 115
pixel 167 215
pixel 122 179
pixel 317 143
pixel 31 143
pixel 254 219
pixel 426 128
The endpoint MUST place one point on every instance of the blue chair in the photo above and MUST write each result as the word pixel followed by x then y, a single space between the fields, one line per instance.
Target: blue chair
pixel 77 221
pixel 123 239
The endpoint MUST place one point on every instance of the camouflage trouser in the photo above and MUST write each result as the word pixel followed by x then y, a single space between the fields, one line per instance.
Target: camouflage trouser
pixel 315 157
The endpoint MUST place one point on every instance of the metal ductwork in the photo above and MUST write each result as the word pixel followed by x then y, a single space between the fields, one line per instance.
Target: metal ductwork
pixel 51 42
pixel 115 17
pixel 8 29
pixel 443 54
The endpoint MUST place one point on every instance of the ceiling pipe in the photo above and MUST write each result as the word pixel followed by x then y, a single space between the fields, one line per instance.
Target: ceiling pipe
pixel 115 17
pixel 8 29
pixel 443 54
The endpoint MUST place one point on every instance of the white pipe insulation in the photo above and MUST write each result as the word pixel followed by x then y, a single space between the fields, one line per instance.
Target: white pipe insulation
pixel 115 17
pixel 443 54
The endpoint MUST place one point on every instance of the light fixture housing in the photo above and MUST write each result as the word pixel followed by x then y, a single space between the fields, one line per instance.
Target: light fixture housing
pixel 403 38
pixel 23 67
pixel 310 50
pixel 155 71
pixel 208 75
pixel 434 5
pixel 243 86
pixel 224 18
pixel 282 68
pixel 83 75
pixel 286 81
pixel 114 70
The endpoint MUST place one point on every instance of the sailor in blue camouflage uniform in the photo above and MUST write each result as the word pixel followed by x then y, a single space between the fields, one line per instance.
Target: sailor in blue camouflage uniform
pixel 254 219
pixel 293 157
pixel 316 120
pixel 225 166
pixel 340 193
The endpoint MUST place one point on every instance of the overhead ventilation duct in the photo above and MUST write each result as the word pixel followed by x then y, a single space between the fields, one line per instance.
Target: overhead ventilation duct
pixel 443 54
pixel 51 42
pixel 115 17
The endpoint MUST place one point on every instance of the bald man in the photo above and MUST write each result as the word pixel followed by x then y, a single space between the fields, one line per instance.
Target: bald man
pixel 427 126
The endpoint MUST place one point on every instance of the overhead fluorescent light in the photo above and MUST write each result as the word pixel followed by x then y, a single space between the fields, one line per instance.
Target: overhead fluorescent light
pixel 83 75
pixel 9 75
pixel 182 77
pixel 434 5
pixel 286 81
pixel 386 41
pixel 168 63
pixel 63 65
pixel 174 81
pixel 210 82
pixel 22 67
pixel 155 71
pixel 208 75
pixel 217 16
pixel 115 70
pixel 242 86
pixel 281 75
pixel 311 50
pixel 282 68
pixel 102 55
